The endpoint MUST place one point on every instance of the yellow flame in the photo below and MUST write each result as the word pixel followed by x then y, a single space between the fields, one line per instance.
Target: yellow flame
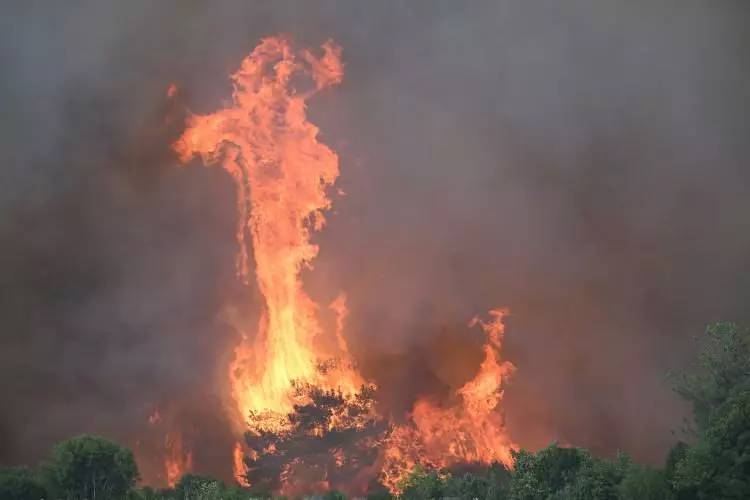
pixel 265 142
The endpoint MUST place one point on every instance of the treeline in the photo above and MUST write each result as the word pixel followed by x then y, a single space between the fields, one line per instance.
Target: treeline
pixel 714 466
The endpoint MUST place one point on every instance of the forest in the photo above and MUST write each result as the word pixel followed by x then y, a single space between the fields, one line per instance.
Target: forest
pixel 710 460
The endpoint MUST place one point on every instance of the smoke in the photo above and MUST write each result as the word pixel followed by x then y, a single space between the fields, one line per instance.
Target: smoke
pixel 581 164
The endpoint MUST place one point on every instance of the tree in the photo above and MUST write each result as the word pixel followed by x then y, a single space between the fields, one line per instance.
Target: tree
pixel 644 483
pixel 536 476
pixel 596 479
pixel 565 474
pixel 195 487
pixel 718 464
pixel 723 371
pixel 19 483
pixel 467 486
pixel 90 468
pixel 422 484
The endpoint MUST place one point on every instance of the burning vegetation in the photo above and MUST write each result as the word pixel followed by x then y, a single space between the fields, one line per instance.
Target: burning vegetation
pixel 248 330
pixel 304 417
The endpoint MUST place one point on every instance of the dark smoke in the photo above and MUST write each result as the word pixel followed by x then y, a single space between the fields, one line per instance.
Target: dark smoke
pixel 583 163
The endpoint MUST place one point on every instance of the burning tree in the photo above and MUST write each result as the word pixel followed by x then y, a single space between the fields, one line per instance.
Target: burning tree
pixel 312 420
pixel 330 440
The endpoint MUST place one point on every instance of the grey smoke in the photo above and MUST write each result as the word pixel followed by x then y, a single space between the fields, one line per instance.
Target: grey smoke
pixel 582 163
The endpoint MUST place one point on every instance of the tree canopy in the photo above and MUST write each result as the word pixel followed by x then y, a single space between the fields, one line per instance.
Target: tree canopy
pixel 90 468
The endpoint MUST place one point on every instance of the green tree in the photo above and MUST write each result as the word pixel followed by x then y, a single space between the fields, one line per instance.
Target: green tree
pixel 422 484
pixel 467 486
pixel 557 473
pixel 195 487
pixel 644 483
pixel 723 371
pixel 90 468
pixel 19 483
pixel 488 483
pixel 237 493
pixel 718 464
pixel 596 479
pixel 537 476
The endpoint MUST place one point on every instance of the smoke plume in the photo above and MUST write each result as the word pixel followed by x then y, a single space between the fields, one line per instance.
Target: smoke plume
pixel 583 164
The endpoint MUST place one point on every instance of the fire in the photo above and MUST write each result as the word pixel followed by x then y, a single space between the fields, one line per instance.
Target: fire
pixel 470 431
pixel 238 457
pixel 282 175
pixel 178 460
pixel 155 417
pixel 264 141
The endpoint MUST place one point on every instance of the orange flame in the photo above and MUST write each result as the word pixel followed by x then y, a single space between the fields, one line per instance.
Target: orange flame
pixel 471 431
pixel 282 173
pixel 178 460
pixel 264 141
pixel 239 465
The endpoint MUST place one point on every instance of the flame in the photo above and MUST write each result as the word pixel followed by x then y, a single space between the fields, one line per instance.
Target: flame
pixel 154 418
pixel 178 460
pixel 473 430
pixel 238 459
pixel 282 175
pixel 338 306
pixel 265 142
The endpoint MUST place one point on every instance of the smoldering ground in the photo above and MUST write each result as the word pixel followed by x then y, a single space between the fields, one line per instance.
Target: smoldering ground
pixel 581 163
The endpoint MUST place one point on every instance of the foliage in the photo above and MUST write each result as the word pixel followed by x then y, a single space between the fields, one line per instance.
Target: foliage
pixel 596 479
pixel 19 483
pixel 723 371
pixel 90 468
pixel 719 465
pixel 467 486
pixel 488 483
pixel 195 487
pixel 565 473
pixel 422 484
pixel 644 483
